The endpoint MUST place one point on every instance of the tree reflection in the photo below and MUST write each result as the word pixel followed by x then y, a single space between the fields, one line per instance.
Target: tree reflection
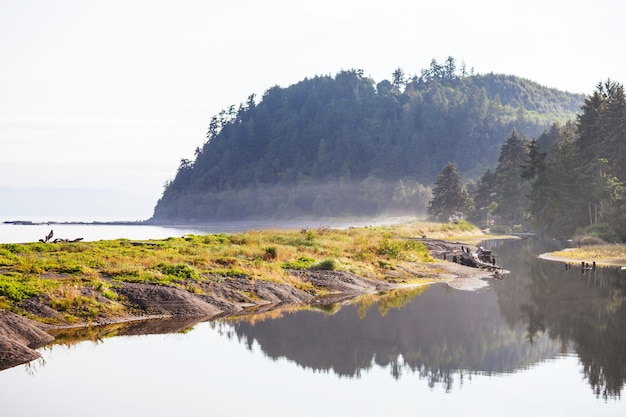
pixel 541 309
pixel 535 321
pixel 434 332
pixel 584 310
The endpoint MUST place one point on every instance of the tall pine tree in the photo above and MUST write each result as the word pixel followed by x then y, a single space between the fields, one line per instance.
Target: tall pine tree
pixel 449 196
pixel 512 189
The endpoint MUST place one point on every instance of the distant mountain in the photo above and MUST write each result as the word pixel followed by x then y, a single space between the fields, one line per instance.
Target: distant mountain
pixel 345 145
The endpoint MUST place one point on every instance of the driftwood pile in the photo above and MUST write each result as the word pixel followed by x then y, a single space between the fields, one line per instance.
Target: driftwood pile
pixel 479 258
pixel 475 257
pixel 48 239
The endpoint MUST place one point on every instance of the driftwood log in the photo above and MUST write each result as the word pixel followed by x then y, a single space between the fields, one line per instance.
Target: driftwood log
pixel 49 236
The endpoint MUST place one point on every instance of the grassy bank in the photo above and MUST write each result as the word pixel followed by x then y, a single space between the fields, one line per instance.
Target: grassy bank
pixel 606 254
pixel 79 280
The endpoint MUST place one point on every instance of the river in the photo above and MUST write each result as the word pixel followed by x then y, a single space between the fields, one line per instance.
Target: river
pixel 545 340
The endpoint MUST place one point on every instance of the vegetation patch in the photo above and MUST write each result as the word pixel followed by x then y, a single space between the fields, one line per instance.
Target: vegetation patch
pixel 16 288
pixel 302 263
pixel 606 254
pixel 230 272
pixel 84 280
pixel 326 265
pixel 178 271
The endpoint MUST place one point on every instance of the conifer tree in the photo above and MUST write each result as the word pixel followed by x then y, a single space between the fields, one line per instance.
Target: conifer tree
pixel 484 197
pixel 556 207
pixel 449 196
pixel 511 198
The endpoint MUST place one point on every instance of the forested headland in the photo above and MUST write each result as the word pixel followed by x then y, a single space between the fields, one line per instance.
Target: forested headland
pixel 346 145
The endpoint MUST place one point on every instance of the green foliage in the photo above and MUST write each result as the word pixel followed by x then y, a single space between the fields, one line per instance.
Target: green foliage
pixel 133 275
pixel 511 188
pixel 464 226
pixel 271 252
pixel 16 288
pixel 326 265
pixel 216 238
pixel 69 268
pixel 302 263
pixel 7 257
pixel 602 232
pixel 344 145
pixel 403 249
pixel 178 271
pixel 449 196
pixel 383 264
pixel 229 272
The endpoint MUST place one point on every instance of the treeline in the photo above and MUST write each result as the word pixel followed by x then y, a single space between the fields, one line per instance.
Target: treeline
pixel 567 181
pixel 378 144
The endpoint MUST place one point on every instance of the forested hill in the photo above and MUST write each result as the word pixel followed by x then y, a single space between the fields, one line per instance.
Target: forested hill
pixel 380 145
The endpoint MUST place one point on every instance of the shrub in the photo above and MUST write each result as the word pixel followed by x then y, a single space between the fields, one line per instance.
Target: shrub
pixel 403 249
pixel 326 265
pixel 271 252
pixel 303 262
pixel 464 226
pixel 595 234
pixel 390 248
pixel 178 271
pixel 217 238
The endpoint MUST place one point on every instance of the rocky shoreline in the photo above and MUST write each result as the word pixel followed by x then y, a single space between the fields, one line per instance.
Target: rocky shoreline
pixel 20 336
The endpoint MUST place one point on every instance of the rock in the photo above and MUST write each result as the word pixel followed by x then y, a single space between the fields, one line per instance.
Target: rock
pixel 19 337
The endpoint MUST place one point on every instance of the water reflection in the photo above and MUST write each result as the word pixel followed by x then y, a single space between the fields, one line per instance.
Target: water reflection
pixel 441 334
pixel 540 311
pixel 583 309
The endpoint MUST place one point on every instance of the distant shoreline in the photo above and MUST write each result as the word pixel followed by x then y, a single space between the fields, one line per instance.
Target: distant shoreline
pixel 92 223
pixel 254 223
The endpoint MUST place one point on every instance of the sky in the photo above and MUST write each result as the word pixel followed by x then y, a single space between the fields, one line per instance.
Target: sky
pixel 112 94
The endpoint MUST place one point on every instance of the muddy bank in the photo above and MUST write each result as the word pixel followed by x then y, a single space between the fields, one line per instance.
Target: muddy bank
pixel 19 336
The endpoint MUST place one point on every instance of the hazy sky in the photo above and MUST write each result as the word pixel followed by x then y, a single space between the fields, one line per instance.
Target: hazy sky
pixel 113 93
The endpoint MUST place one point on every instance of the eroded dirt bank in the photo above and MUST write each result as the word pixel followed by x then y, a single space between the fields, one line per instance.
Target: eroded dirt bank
pixel 20 336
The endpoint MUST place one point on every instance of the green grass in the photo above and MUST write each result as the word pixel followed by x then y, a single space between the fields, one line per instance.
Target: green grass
pixel 17 288
pixel 79 278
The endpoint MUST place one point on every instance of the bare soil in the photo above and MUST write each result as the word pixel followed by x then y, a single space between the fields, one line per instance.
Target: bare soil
pixel 20 336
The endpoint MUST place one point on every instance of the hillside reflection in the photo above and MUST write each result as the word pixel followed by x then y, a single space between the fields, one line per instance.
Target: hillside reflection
pixel 440 334
pixel 537 312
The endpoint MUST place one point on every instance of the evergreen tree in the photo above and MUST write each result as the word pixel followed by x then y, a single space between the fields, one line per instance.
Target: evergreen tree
pixel 579 185
pixel 512 189
pixel 449 196
pixel 556 205
pixel 535 162
pixel 484 197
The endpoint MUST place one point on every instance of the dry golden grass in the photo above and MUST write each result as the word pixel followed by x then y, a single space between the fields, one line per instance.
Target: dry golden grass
pixel 607 254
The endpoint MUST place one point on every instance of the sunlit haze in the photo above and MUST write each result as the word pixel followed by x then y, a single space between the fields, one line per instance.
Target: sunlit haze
pixel 112 94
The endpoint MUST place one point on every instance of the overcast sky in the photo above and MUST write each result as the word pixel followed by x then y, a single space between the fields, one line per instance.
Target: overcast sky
pixel 112 94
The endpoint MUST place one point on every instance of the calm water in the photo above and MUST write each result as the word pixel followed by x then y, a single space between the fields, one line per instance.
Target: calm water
pixel 20 233
pixel 543 341
pixel 12 233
